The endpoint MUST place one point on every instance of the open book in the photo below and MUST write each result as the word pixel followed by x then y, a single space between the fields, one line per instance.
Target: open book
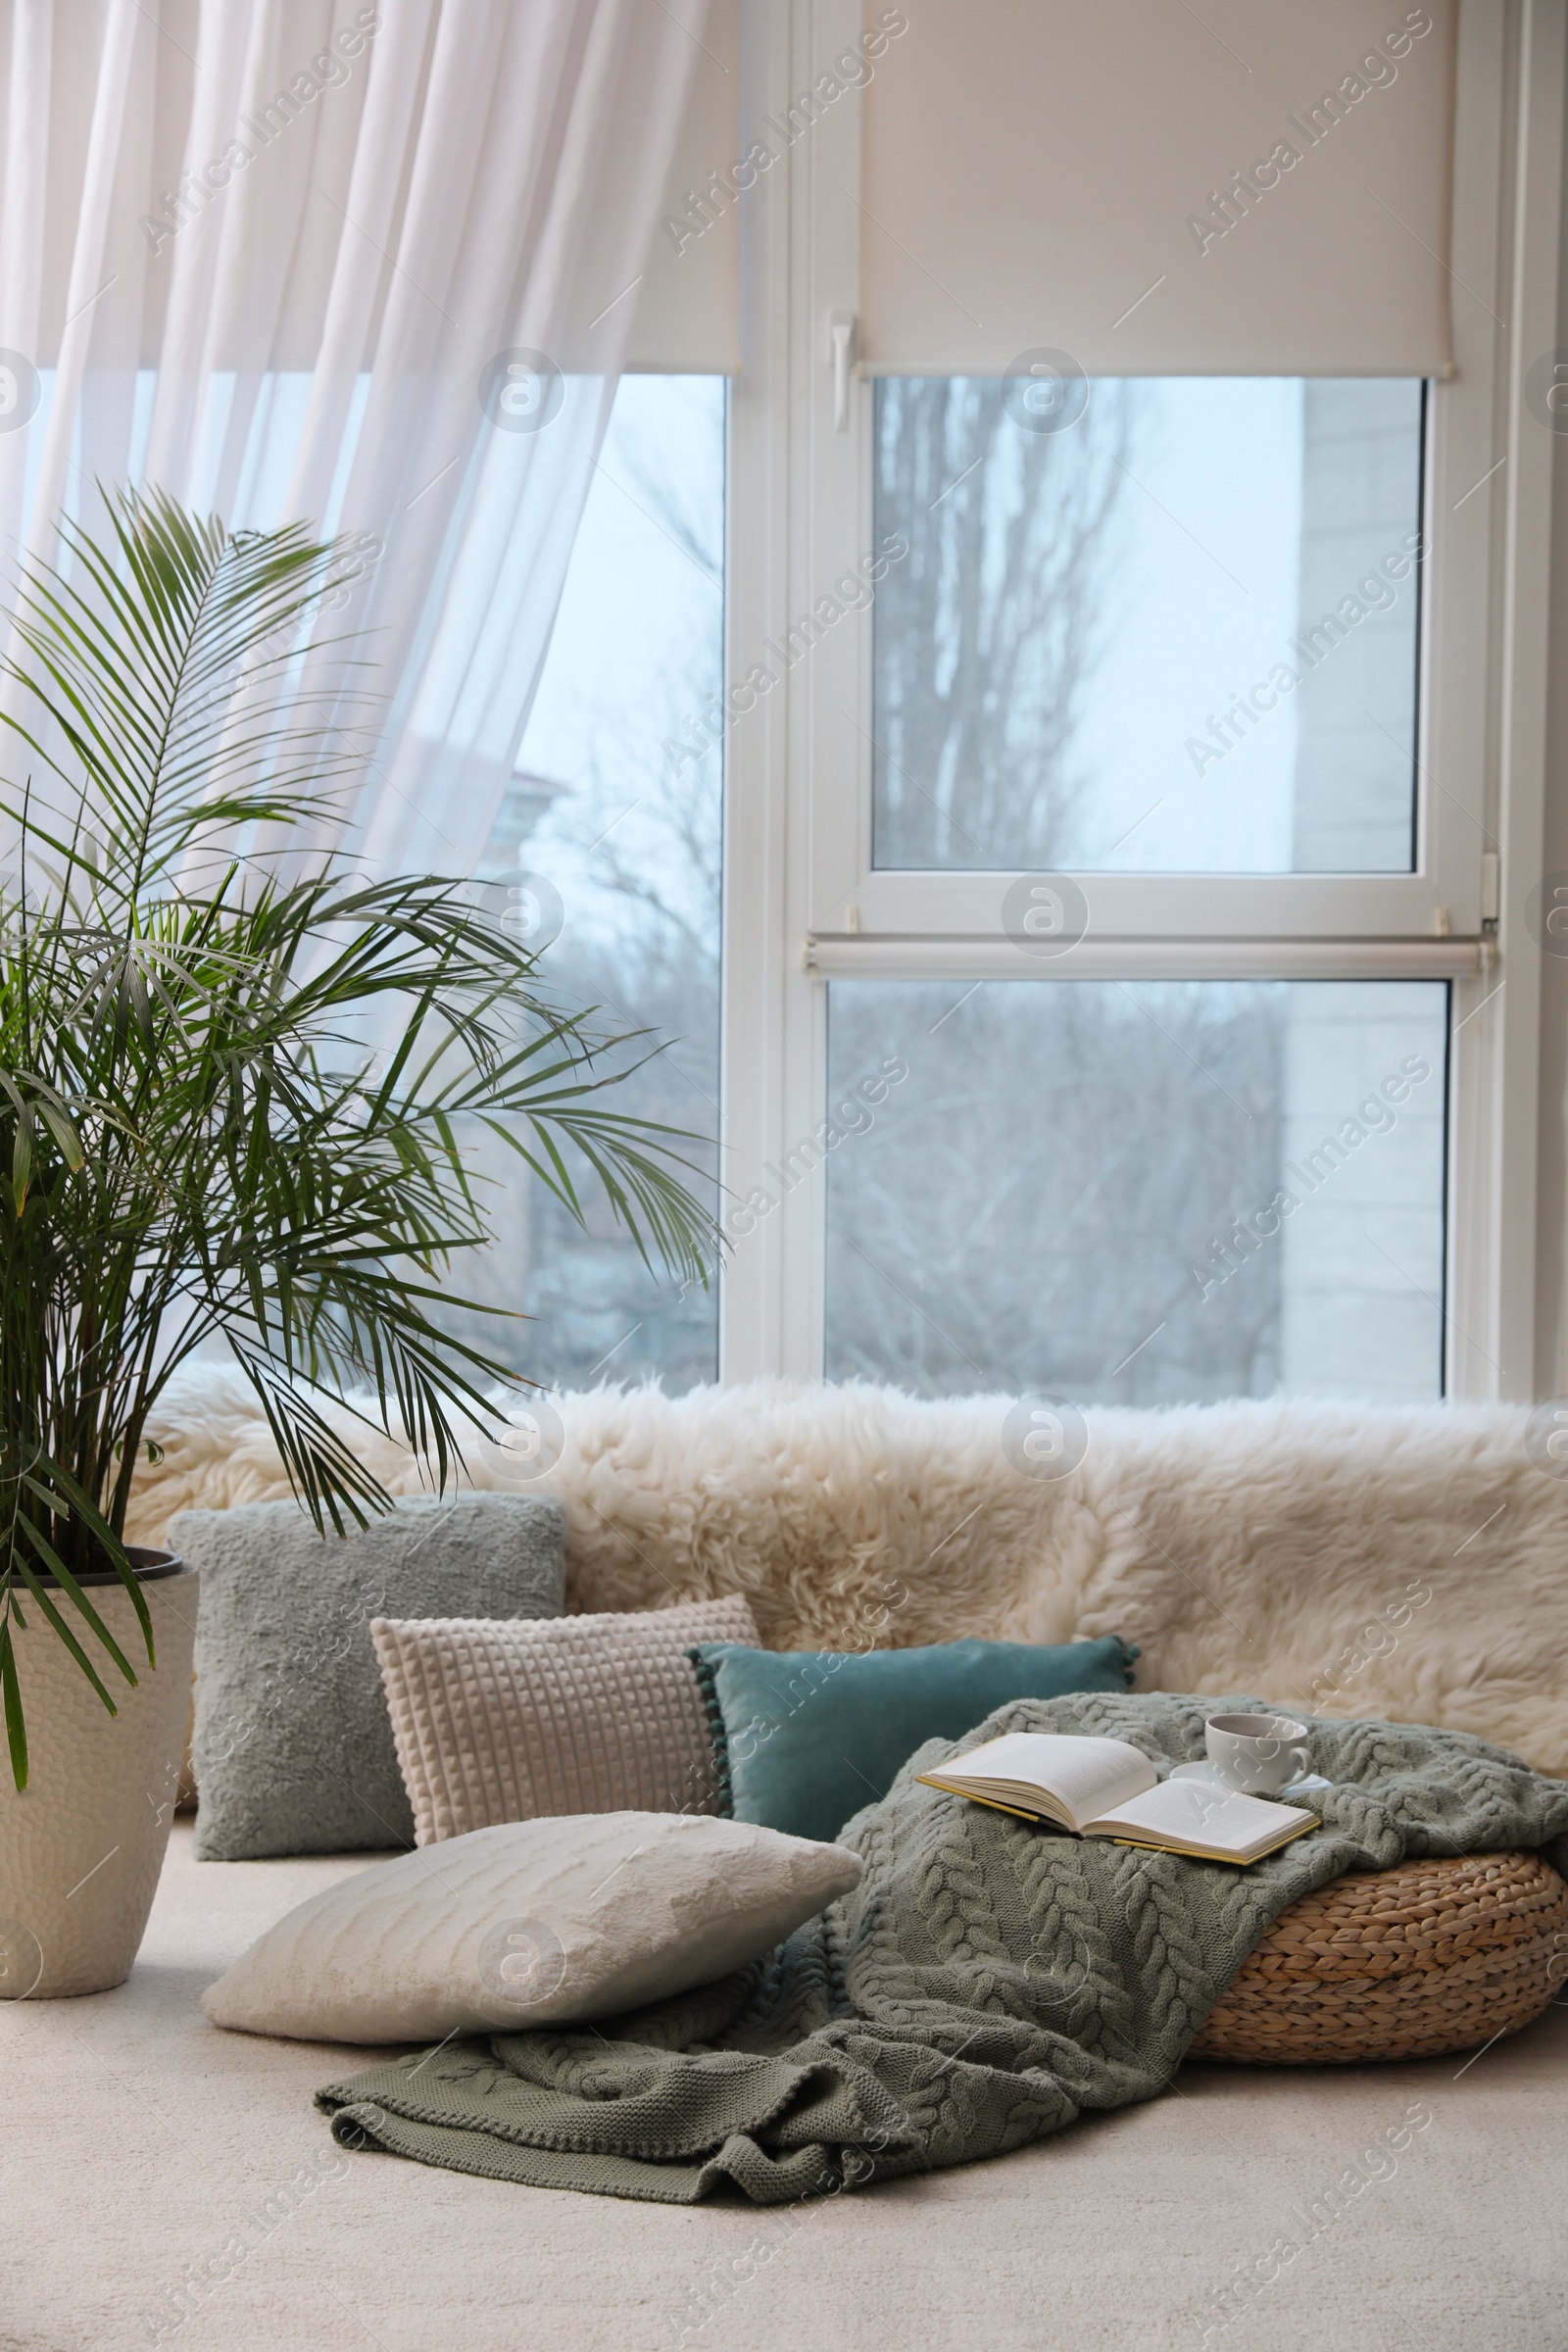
pixel 1097 1788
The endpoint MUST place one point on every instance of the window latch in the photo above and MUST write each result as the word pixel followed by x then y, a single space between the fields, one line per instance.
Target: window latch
pixel 841 341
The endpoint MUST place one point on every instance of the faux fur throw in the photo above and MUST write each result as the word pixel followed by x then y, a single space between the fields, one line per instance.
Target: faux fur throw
pixel 985 1984
pixel 1347 1560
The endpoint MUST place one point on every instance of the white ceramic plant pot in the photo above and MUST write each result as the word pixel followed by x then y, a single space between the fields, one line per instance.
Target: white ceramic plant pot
pixel 83 1845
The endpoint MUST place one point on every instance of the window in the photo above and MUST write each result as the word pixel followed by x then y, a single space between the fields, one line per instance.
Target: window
pixel 1143 1193
pixel 1185 646
pixel 1148 654
pixel 1123 732
pixel 1161 626
pixel 610 858
pixel 1166 627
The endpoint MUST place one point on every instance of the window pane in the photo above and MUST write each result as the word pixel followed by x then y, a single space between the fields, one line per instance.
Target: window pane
pixel 601 833
pixel 1138 1193
pixel 1173 634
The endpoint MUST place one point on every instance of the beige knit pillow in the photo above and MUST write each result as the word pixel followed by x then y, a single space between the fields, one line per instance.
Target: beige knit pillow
pixel 527 1924
pixel 511 1718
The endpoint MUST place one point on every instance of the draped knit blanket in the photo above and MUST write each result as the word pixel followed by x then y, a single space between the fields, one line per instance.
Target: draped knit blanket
pixel 984 1984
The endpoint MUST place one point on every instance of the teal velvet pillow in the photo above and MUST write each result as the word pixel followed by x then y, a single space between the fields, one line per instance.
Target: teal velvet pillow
pixel 803 1739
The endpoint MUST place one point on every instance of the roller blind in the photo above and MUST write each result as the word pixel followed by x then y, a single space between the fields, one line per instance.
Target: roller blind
pixel 689 310
pixel 1254 190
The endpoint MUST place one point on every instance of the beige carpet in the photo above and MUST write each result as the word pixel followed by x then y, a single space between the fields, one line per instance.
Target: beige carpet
pixel 142 2147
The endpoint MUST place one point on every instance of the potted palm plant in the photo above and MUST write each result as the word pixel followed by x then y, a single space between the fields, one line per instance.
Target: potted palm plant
pixel 234 1087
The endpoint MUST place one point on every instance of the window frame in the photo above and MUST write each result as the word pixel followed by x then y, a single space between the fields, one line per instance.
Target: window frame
pixel 852 897
pixel 803 902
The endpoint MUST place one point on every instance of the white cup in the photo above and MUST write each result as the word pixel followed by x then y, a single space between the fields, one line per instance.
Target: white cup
pixel 1260 1754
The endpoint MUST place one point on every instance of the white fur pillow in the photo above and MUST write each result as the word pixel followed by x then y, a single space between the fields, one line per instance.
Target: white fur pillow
pixel 599 1715
pixel 527 1924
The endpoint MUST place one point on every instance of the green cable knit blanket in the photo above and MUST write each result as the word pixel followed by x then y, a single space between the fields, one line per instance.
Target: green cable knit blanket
pixel 985 1984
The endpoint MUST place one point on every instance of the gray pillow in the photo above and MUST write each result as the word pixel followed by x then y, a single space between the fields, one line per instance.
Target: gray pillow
pixel 293 1749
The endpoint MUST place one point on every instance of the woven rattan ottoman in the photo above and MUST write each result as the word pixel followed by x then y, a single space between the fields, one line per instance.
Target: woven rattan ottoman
pixel 1402 1963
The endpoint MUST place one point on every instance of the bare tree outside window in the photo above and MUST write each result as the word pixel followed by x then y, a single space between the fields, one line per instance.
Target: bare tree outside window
pixel 628 841
pixel 1065 1194
pixel 988 632
pixel 1141 1193
pixel 1085 1188
pixel 1026 1212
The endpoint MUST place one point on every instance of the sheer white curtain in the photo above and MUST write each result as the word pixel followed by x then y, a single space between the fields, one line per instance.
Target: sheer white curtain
pixel 372 266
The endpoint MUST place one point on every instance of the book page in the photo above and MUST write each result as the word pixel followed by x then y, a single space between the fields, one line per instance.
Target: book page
pixel 1086 1775
pixel 1199 1815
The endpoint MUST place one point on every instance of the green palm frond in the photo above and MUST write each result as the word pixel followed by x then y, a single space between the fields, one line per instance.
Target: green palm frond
pixel 194 1141
pixel 157 665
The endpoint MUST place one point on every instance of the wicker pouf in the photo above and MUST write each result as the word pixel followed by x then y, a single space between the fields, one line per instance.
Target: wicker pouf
pixel 1402 1963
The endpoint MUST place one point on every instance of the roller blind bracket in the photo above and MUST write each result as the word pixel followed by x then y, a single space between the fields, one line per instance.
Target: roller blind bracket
pixel 841 326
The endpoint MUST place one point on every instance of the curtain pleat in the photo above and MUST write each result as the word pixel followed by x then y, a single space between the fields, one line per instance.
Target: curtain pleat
pixel 273 258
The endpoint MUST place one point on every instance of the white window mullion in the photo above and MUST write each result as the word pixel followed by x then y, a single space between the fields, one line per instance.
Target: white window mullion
pixel 774 1011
